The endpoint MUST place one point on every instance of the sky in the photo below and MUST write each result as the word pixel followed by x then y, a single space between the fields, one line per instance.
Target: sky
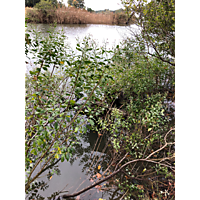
pixel 101 4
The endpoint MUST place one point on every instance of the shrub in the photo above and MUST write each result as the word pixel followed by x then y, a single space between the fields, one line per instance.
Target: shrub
pixel 54 98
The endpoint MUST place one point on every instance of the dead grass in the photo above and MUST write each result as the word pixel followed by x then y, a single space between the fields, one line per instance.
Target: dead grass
pixel 73 15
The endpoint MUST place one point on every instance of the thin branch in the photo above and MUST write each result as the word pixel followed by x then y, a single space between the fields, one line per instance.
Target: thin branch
pixel 124 195
pixel 162 146
pixel 159 57
pixel 121 160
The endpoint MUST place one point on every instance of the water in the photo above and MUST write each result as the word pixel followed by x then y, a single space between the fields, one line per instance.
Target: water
pixel 109 35
pixel 73 174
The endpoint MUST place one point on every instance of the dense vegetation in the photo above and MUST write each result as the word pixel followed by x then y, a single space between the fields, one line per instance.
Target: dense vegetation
pixel 120 93
pixel 76 3
pixel 32 3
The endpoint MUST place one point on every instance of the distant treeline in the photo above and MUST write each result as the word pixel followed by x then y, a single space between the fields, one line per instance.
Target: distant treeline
pixel 107 11
pixel 72 15
pixel 32 3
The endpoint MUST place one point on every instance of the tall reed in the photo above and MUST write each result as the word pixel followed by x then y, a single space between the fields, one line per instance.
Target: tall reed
pixel 72 15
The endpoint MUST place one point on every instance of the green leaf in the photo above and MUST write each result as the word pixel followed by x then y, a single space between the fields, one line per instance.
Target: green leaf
pixel 68 63
pixel 62 157
pixel 76 129
pixel 33 151
pixel 51 119
pixel 72 102
pixel 33 73
pixel 38 69
pixel 78 49
pixel 84 129
pixel 56 125
pixel 91 122
pixel 101 63
pixel 56 156
pixel 67 156
pixel 87 62
pixel 89 49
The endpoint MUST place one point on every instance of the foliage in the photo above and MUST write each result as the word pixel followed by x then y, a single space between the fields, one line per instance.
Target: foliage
pixel 156 20
pixel 143 80
pixel 76 3
pixel 44 5
pixel 90 10
pixel 31 3
pixel 54 98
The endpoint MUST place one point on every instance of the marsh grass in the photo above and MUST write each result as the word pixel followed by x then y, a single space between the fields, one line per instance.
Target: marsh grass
pixel 71 15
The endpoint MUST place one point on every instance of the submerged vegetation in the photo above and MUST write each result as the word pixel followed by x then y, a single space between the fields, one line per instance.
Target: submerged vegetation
pixel 123 94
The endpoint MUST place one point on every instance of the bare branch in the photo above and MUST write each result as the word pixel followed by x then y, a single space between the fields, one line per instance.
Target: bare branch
pixel 113 174
pixel 125 165
pixel 159 57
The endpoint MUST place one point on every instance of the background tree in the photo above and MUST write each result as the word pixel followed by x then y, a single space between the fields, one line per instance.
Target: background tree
pixel 31 3
pixel 156 20
pixel 90 10
pixel 76 3
pixel 44 6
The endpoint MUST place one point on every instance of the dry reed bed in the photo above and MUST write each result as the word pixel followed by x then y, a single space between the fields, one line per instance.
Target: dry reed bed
pixel 73 15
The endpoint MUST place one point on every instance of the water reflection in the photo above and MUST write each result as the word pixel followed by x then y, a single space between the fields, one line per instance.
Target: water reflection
pixel 79 172
pixel 111 34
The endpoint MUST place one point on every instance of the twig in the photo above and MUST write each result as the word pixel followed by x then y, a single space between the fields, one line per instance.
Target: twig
pixel 162 146
pixel 121 161
pixel 124 195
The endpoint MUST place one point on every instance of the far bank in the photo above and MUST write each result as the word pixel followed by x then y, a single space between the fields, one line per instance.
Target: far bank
pixel 72 15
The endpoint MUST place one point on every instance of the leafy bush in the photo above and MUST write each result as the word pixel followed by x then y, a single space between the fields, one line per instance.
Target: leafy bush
pixel 54 98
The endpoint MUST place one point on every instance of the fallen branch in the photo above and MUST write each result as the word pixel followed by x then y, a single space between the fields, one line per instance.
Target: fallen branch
pixel 123 166
pixel 113 174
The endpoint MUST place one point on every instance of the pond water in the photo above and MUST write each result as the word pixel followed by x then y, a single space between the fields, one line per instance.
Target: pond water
pixel 111 35
pixel 72 176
